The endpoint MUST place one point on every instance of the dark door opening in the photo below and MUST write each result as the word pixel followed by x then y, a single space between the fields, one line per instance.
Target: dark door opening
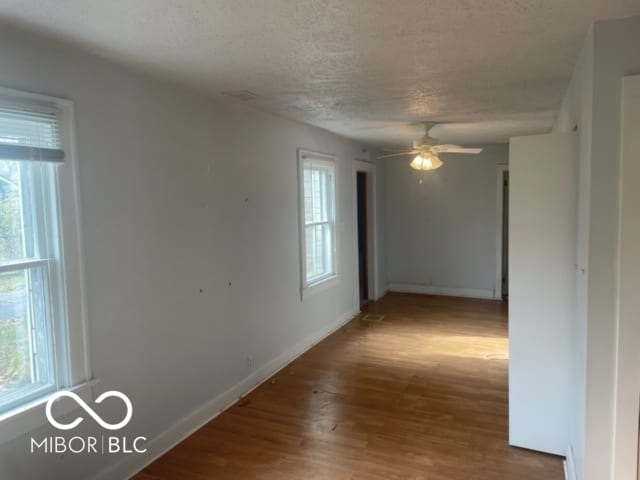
pixel 505 235
pixel 362 236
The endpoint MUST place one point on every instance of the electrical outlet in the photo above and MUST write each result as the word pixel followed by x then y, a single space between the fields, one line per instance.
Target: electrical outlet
pixel 249 363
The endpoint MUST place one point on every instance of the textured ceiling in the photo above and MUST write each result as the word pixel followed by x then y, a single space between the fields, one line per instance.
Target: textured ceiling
pixel 366 69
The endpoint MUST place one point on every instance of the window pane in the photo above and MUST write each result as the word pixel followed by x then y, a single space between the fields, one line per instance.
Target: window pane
pixel 319 251
pixel 25 335
pixel 317 194
pixel 308 196
pixel 328 247
pixel 15 363
pixel 310 252
pixel 12 224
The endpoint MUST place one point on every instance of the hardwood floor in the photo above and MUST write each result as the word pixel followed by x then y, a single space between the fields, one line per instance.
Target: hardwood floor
pixel 410 396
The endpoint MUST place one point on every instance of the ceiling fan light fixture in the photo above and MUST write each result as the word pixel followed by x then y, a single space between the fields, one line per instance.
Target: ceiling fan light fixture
pixel 426 161
pixel 416 163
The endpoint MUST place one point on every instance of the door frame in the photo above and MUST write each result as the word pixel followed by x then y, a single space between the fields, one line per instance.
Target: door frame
pixel 372 228
pixel 501 168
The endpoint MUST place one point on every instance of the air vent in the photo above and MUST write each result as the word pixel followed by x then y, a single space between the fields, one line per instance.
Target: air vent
pixel 373 317
pixel 242 95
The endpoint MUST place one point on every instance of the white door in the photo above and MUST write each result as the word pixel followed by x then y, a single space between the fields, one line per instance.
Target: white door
pixel 628 364
pixel 542 255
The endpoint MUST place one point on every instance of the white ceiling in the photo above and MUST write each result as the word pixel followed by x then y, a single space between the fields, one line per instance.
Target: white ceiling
pixel 366 69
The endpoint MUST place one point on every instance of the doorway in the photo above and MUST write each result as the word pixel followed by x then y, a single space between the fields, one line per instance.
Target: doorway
pixel 505 235
pixel 365 228
pixel 363 255
pixel 501 289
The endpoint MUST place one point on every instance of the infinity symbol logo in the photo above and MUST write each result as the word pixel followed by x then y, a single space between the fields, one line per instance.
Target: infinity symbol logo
pixel 89 410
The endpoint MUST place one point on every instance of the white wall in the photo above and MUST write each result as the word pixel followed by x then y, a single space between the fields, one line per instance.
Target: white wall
pixel 593 102
pixel 441 233
pixel 191 241
pixel 616 54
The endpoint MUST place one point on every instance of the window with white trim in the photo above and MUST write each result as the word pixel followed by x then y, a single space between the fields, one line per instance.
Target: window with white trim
pixel 317 217
pixel 42 331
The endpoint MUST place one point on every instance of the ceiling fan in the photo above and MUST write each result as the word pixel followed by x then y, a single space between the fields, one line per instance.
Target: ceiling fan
pixel 427 150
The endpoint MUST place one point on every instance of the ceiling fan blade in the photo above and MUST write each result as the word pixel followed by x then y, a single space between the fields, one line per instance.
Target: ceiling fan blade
pixel 454 149
pixel 444 147
pixel 409 152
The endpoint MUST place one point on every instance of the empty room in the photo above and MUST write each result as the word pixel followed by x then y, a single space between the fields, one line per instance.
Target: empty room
pixel 319 239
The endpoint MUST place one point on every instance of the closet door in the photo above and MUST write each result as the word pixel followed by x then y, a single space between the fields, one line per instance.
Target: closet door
pixel 628 362
pixel 542 256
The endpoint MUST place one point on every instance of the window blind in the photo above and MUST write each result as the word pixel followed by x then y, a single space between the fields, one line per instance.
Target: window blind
pixel 30 135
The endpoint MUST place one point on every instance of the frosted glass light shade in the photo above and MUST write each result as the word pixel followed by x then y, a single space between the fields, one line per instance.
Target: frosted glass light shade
pixel 426 161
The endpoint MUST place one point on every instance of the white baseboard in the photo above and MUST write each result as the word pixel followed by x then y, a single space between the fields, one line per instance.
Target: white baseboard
pixel 569 465
pixel 128 466
pixel 446 291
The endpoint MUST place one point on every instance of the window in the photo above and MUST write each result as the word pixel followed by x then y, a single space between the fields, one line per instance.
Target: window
pixel 317 217
pixel 42 331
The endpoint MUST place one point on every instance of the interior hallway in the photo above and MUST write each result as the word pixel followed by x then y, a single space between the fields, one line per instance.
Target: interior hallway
pixel 408 396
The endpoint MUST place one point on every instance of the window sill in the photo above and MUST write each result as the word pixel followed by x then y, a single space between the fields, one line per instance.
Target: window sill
pixel 318 287
pixel 30 416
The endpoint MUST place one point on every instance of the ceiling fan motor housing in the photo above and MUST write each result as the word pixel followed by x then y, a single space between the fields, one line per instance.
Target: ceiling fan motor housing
pixel 425 142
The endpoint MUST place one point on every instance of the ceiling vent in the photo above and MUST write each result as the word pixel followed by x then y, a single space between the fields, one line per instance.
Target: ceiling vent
pixel 242 95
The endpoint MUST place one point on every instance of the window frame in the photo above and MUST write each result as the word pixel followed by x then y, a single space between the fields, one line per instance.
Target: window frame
pixel 66 282
pixel 326 281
